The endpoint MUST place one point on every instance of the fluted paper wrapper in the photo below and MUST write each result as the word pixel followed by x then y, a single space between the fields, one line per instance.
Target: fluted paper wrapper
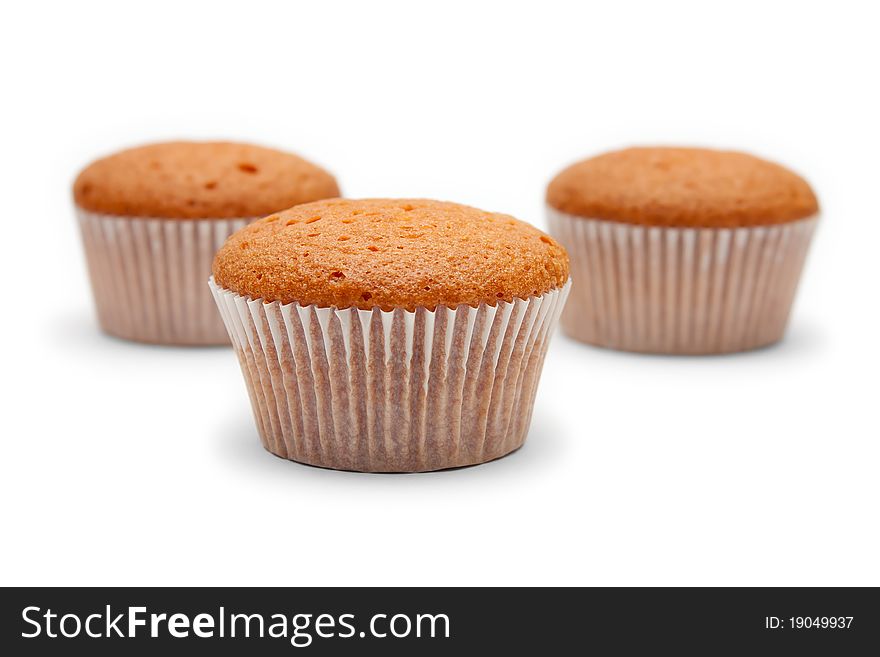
pixel 148 276
pixel 391 391
pixel 680 290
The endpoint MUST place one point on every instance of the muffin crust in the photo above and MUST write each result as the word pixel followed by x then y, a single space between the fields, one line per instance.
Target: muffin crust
pixel 390 253
pixel 200 180
pixel 682 187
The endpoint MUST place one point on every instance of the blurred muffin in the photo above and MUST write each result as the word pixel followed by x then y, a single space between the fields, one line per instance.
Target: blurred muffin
pixel 390 335
pixel 681 250
pixel 152 218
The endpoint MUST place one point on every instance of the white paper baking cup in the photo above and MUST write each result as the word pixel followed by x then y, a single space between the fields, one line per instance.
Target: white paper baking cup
pixel 680 290
pixel 391 391
pixel 148 276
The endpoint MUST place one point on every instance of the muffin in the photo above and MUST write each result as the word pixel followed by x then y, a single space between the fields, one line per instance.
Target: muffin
pixel 152 218
pixel 390 335
pixel 681 250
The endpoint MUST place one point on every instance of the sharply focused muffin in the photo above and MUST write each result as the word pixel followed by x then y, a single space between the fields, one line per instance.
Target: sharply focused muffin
pixel 152 218
pixel 681 250
pixel 390 335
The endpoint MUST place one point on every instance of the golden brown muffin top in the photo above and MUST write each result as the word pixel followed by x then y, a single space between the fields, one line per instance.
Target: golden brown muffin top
pixel 683 187
pixel 200 180
pixel 389 253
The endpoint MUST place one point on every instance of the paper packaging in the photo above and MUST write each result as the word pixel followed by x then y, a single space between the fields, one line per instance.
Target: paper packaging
pixel 680 290
pixel 148 276
pixel 391 391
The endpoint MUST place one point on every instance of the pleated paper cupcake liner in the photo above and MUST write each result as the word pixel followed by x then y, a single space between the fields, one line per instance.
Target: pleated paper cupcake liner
pixel 391 391
pixel 680 290
pixel 148 276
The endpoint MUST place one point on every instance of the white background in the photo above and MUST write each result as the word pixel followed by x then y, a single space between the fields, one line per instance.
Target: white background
pixel 130 464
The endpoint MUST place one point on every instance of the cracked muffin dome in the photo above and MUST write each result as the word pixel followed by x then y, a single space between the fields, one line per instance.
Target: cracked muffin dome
pixel 682 187
pixel 200 180
pixel 389 253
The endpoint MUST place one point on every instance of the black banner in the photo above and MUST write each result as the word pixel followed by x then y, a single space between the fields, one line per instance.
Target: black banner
pixel 419 621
